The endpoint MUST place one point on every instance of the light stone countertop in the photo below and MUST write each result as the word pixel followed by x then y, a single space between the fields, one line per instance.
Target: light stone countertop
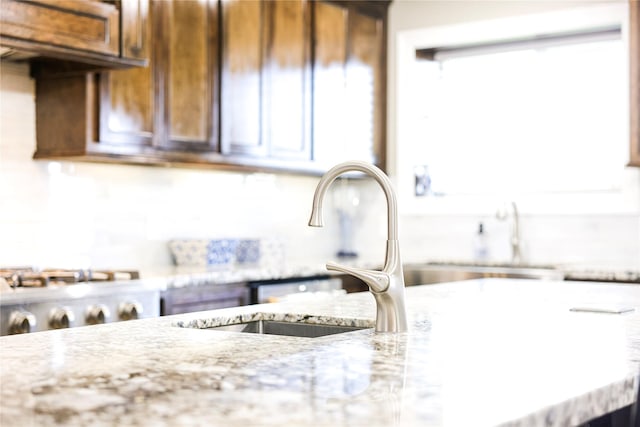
pixel 480 352
pixel 578 272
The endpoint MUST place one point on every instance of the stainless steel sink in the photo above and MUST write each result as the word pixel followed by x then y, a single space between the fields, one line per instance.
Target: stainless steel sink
pixel 292 329
pixel 422 274
pixel 293 325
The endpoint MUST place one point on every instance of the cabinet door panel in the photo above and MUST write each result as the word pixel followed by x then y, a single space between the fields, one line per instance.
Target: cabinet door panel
pixel 169 104
pixel 127 105
pixel 348 84
pixel 329 80
pixel 191 79
pixel 364 86
pixel 242 77
pixel 135 29
pixel 287 79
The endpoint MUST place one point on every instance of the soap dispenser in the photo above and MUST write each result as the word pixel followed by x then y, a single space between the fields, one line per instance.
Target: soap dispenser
pixel 480 246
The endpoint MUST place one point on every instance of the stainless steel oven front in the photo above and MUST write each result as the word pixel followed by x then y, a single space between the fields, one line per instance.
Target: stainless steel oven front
pixel 32 305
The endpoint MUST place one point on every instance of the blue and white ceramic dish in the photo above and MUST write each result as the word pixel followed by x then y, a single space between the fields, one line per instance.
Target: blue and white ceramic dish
pixel 221 251
pixel 203 252
pixel 248 251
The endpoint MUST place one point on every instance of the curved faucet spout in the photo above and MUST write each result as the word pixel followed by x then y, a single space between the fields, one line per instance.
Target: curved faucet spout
pixel 376 173
pixel 387 285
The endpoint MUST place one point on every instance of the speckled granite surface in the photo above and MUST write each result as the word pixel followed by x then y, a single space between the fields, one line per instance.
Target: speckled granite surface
pixel 482 352
pixel 625 275
pixel 590 272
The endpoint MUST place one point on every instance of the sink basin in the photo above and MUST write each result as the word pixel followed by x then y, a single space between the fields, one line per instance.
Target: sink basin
pixel 293 325
pixel 292 329
pixel 420 274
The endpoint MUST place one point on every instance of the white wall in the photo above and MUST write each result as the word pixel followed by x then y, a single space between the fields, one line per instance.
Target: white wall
pixel 586 230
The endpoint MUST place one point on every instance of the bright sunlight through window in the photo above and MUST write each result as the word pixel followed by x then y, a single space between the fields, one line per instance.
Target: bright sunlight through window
pixel 543 115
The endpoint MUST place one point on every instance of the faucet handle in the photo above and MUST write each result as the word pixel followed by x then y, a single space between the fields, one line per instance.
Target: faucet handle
pixel 378 281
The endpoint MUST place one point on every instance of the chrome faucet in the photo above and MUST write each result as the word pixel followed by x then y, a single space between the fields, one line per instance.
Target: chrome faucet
pixel 387 286
pixel 502 214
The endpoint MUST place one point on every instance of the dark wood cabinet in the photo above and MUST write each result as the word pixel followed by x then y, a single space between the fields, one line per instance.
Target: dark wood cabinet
pixel 187 75
pixel 300 74
pixel 634 76
pixel 242 61
pixel 293 85
pixel 287 80
pixel 266 79
pixel 125 105
pixel 349 81
pixel 134 28
pixel 170 106
pixel 89 33
pixel 139 115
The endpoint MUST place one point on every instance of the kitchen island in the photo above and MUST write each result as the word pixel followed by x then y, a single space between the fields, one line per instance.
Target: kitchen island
pixel 478 352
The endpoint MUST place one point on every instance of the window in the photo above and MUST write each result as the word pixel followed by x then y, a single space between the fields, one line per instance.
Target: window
pixel 538 115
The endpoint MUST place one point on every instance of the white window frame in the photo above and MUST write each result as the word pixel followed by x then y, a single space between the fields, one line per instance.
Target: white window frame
pixel 622 201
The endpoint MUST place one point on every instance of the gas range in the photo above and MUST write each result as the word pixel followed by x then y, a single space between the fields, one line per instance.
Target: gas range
pixel 33 300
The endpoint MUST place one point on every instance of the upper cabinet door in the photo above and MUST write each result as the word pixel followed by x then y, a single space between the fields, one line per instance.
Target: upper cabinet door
pixel 127 101
pixel 134 15
pixel 287 80
pixel 330 112
pixel 348 85
pixel 187 74
pixel 242 64
pixel 266 79
pixel 634 46
pixel 172 103
pixel 127 107
pixel 366 91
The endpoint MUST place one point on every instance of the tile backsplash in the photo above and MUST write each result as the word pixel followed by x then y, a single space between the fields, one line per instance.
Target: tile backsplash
pixel 73 214
pixel 593 240
pixel 105 215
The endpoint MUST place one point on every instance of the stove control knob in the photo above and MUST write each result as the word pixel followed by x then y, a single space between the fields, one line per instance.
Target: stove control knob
pixel 97 314
pixel 129 310
pixel 21 322
pixel 61 317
